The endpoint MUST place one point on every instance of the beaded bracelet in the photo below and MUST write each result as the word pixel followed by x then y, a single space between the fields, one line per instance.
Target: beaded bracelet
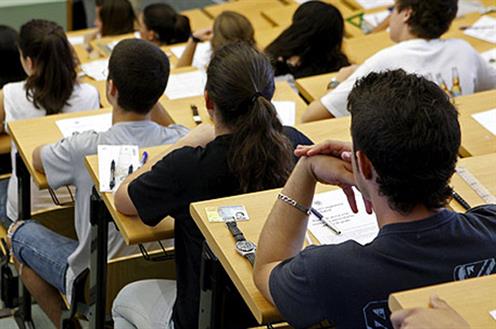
pixel 293 203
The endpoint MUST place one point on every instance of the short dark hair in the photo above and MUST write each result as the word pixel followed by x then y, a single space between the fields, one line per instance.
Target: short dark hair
pixel 430 19
pixel 140 71
pixel 408 128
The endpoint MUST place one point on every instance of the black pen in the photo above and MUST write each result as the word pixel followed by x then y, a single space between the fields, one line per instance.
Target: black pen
pixel 461 201
pixel 112 174
pixel 130 170
pixel 196 116
pixel 325 221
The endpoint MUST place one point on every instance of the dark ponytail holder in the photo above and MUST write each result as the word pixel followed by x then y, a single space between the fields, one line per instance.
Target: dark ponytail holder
pixel 254 97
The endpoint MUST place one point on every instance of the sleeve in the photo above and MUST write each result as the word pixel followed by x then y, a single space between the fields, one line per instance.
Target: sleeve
pixel 297 137
pixel 293 293
pixel 176 131
pixel 486 75
pixel 155 194
pixel 59 163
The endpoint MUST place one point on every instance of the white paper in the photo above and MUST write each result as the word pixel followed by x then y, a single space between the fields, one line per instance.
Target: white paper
pixel 361 227
pixel 286 111
pixel 375 19
pixel 487 119
pixel 184 85
pixel 76 40
pixel 123 156
pixel 97 70
pixel 98 123
pixel 111 45
pixel 369 4
pixel 202 56
pixel 493 314
pixel 490 57
pixel 483 29
pixel 469 6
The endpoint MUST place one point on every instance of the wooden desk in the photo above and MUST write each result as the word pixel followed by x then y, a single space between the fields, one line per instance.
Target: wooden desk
pixel 358 49
pixel 353 4
pixel 264 37
pixel 102 44
pixel 180 112
pixel 314 87
pixel 482 167
pixel 198 19
pixel 80 49
pixel 476 139
pixel 473 299
pixel 5 143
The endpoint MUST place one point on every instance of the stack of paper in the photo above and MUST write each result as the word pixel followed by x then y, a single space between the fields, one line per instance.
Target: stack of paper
pixel 97 70
pixel 76 40
pixel 98 123
pixel 286 111
pixel 374 19
pixel 115 162
pixel 184 85
pixel 469 6
pixel 361 227
pixel 202 56
pixel 487 119
pixel 369 4
pixel 483 29
pixel 490 57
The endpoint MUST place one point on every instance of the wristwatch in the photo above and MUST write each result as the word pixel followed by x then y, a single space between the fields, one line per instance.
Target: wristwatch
pixel 333 83
pixel 244 247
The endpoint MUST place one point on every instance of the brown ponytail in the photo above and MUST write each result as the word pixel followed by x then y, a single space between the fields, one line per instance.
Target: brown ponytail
pixel 241 84
pixel 52 81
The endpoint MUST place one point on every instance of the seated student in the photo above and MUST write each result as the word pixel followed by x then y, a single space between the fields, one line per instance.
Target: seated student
pixel 311 45
pixel 247 150
pixel 162 25
pixel 138 74
pixel 51 87
pixel 228 27
pixel 10 67
pixel 416 26
pixel 402 162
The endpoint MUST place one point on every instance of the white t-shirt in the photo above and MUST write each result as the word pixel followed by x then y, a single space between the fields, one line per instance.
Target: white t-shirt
pixel 17 106
pixel 438 60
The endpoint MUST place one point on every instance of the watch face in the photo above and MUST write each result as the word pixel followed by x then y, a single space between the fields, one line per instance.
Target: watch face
pixel 245 246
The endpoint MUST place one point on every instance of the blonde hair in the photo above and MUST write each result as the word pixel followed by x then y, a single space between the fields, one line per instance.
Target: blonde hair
pixel 230 27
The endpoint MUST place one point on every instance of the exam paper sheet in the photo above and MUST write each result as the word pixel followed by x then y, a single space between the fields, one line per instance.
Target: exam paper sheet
pixel 369 4
pixel 98 123
pixel 286 112
pixel 484 29
pixel 202 56
pixel 361 227
pixel 184 85
pixel 124 156
pixel 487 119
pixel 97 70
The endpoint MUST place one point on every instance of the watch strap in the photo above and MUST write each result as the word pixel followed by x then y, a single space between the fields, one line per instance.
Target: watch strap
pixel 251 258
pixel 235 231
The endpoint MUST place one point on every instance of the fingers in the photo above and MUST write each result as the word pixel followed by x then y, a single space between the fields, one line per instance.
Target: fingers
pixel 398 317
pixel 350 195
pixel 368 205
pixel 436 302
pixel 329 147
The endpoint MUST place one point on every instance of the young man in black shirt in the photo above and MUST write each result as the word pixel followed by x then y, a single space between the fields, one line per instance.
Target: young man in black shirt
pixel 405 141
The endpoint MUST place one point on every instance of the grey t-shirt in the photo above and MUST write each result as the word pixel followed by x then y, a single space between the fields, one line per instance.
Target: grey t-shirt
pixel 64 165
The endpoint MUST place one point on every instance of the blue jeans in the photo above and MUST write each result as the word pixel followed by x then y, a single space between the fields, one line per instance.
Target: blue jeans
pixel 44 251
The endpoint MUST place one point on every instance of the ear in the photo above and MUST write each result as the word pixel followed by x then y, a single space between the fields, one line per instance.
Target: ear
pixel 406 14
pixel 151 35
pixel 364 165
pixel 111 92
pixel 209 104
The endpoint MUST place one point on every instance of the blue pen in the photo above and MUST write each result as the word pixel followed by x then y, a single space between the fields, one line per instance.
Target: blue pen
pixel 144 158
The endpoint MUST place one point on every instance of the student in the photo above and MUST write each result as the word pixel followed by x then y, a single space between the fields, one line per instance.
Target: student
pixel 402 162
pixel 416 26
pixel 10 67
pixel 311 45
pixel 51 87
pixel 247 150
pixel 162 25
pixel 138 74
pixel 228 27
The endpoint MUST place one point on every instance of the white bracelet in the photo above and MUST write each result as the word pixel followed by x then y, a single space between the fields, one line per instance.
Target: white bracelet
pixel 291 202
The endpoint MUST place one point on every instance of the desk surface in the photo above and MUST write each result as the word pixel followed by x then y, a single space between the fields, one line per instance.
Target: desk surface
pixel 476 139
pixel 198 19
pixel 314 87
pixel 131 227
pixel 180 112
pixel 30 133
pixel 473 299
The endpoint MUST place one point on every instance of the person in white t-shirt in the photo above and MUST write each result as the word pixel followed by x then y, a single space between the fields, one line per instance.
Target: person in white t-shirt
pixel 51 87
pixel 416 26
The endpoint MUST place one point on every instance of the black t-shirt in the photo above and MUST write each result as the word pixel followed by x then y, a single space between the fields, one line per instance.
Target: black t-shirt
pixel 184 176
pixel 349 284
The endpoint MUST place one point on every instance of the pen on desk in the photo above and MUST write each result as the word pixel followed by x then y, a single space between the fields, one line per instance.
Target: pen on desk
pixel 130 170
pixel 196 116
pixel 112 174
pixel 325 221
pixel 144 158
pixel 482 27
pixel 461 201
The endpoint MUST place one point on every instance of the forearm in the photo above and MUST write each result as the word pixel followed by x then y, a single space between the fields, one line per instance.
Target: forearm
pixel 186 58
pixel 316 111
pixel 159 115
pixel 37 163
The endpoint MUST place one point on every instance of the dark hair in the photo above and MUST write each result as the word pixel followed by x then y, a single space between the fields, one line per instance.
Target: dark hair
pixel 169 26
pixel 240 82
pixel 10 67
pixel 229 27
pixel 408 128
pixel 429 19
pixel 139 71
pixel 54 73
pixel 315 35
pixel 117 17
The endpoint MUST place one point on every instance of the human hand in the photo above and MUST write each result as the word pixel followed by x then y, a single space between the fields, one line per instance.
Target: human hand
pixel 204 34
pixel 439 316
pixel 345 72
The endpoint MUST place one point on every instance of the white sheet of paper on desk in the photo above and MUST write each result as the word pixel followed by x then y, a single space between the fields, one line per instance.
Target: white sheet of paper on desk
pixel 361 227
pixel 484 29
pixel 490 57
pixel 76 40
pixel 487 119
pixel 124 156
pixel 202 56
pixel 375 19
pixel 369 4
pixel 286 111
pixel 98 123
pixel 469 6
pixel 493 314
pixel 184 85
pixel 97 70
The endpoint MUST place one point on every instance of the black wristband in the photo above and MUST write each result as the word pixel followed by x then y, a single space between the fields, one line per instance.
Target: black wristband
pixel 251 258
pixel 195 39
pixel 235 231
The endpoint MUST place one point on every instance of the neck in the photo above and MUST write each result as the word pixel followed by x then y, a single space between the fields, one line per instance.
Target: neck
pixel 119 115
pixel 406 35
pixel 220 129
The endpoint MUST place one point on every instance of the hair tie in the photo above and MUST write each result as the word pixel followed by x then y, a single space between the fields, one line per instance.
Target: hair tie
pixel 255 96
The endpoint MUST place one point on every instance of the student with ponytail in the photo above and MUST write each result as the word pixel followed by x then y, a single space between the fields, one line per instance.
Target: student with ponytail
pixel 162 25
pixel 51 87
pixel 247 150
